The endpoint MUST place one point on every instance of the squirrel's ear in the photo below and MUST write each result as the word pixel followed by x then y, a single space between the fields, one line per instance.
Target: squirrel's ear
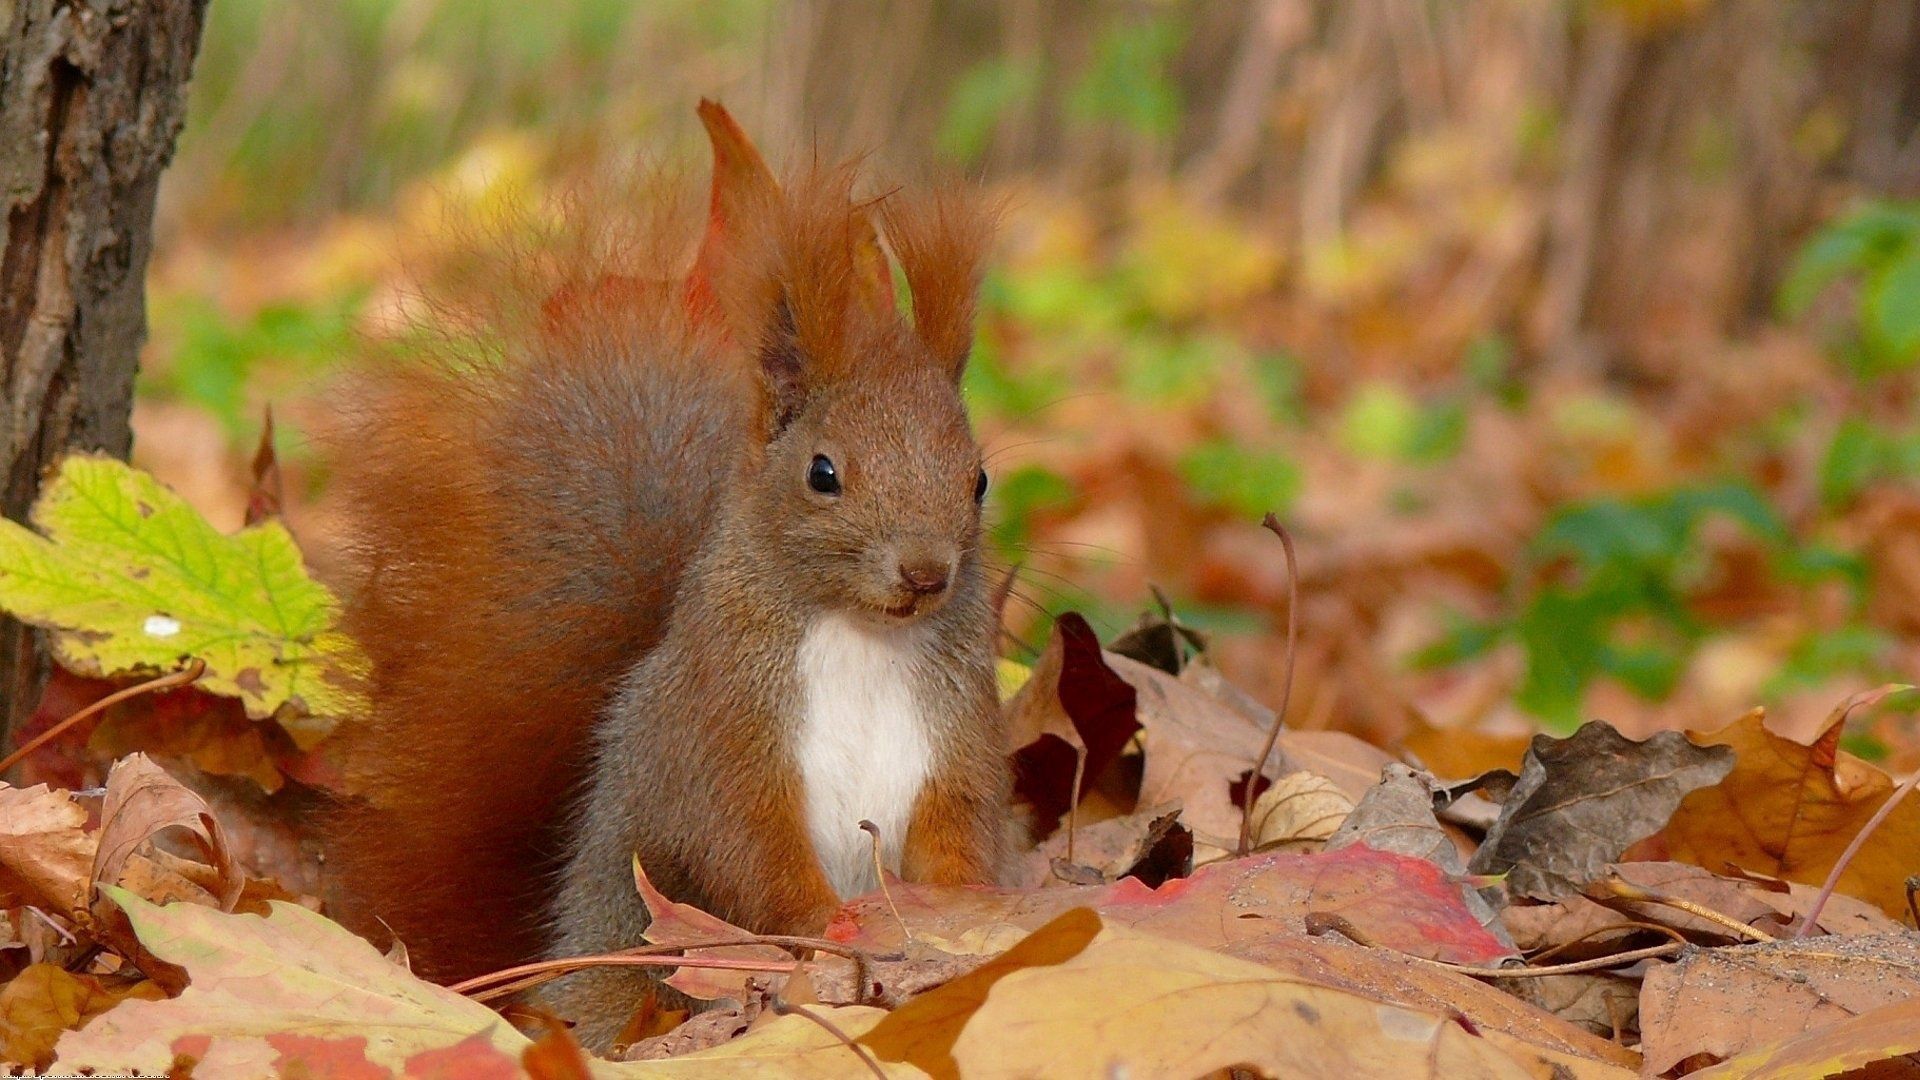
pixel 783 370
pixel 941 239
pixel 743 188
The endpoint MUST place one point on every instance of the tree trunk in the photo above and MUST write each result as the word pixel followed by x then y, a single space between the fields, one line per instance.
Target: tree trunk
pixel 92 94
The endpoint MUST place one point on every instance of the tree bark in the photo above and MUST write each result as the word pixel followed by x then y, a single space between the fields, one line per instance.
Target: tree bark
pixel 92 95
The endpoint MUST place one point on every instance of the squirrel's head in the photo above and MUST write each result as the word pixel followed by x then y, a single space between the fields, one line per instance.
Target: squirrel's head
pixel 864 468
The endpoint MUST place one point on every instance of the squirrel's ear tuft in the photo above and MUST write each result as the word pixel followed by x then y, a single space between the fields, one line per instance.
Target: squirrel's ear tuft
pixel 941 239
pixel 744 191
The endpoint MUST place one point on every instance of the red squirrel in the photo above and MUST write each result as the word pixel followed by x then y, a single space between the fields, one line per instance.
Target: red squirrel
pixel 687 572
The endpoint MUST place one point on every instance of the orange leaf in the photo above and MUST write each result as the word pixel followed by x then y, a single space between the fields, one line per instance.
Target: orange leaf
pixel 1789 810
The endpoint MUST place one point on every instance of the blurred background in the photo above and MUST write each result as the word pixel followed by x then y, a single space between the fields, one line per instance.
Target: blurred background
pixel 1575 340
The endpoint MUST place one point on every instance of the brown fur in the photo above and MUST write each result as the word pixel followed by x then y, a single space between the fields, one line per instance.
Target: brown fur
pixel 618 509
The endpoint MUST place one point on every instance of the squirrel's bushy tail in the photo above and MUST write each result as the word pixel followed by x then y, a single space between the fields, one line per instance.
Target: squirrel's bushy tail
pixel 522 499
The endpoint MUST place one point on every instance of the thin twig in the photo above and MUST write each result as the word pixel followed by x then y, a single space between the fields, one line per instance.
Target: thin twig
pixel 1272 524
pixel 1598 963
pixel 1622 891
pixel 832 1029
pixel 194 669
pixel 1320 922
pixel 1610 928
pixel 527 975
pixel 1073 803
pixel 1846 857
pixel 665 956
pixel 880 875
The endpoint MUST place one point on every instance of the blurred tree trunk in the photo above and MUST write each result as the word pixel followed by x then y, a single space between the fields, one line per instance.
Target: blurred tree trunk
pixel 92 94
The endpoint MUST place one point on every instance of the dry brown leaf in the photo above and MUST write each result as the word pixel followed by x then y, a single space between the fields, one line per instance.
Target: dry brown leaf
pixel 1540 926
pixel 1730 1000
pixel 1400 980
pixel 1298 813
pixel 1072 714
pixel 45 852
pixel 1195 747
pixel 1886 1033
pixel 1395 900
pixel 1462 751
pixel 1789 810
pixel 44 1000
pixel 1108 848
pixel 1582 800
pixel 1081 998
pixel 142 801
pixel 673 923
pixel 1397 815
pixel 1352 764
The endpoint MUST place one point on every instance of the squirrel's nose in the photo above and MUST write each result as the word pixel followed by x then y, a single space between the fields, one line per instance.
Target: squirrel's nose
pixel 925 578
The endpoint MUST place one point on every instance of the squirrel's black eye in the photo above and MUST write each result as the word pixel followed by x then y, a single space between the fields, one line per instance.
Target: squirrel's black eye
pixel 822 477
pixel 980 487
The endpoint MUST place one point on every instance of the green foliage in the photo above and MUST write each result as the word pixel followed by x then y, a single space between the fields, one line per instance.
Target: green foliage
pixel 1382 420
pixel 1018 496
pixel 1246 481
pixel 1128 81
pixel 1609 596
pixel 980 98
pixel 219 358
pixel 1879 247
pixel 129 578
pixel 1862 454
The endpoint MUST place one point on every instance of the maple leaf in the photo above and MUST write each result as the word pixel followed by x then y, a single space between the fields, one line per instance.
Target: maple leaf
pixel 256 981
pixel 1789 810
pixel 129 578
pixel 1165 1008
pixel 1727 1001
pixel 1397 901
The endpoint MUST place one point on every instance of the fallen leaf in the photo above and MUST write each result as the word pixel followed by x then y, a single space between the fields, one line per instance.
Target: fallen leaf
pixel 1582 800
pixel 790 1047
pixel 1132 845
pixel 45 1000
pixel 258 982
pixel 1298 813
pixel 1340 757
pixel 1397 901
pixel 1727 1001
pixel 1072 703
pixel 129 578
pixel 1577 918
pixel 1194 744
pixel 1891 1031
pixel 266 496
pixel 1330 960
pixel 45 852
pixel 213 733
pixel 673 923
pixel 1789 810
pixel 142 801
pixel 1460 751
pixel 1167 1008
pixel 1397 815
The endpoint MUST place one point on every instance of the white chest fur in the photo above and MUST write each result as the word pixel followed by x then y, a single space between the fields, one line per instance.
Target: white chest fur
pixel 863 747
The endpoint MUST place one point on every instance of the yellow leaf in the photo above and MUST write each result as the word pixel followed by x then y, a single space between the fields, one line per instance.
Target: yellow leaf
pixel 1789 810
pixel 1078 998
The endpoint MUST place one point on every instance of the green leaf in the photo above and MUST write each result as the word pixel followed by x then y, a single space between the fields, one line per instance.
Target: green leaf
pixel 129 578
pixel 1891 310
pixel 1247 482
pixel 1854 244
pixel 980 98
pixel 1852 462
